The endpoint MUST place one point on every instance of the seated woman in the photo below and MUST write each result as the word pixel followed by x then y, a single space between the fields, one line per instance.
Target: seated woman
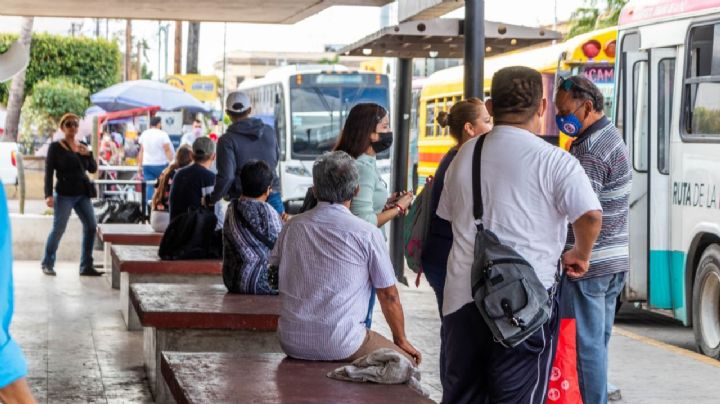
pixel 160 215
pixel 251 228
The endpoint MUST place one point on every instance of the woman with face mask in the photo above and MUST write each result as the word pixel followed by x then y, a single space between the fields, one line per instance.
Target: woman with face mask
pixel 365 134
pixel 466 119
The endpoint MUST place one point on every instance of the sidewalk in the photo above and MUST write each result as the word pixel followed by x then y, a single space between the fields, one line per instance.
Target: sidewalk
pixel 78 350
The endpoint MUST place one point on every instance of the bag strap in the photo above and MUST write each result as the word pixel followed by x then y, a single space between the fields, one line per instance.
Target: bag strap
pixel 477 188
pixel 269 244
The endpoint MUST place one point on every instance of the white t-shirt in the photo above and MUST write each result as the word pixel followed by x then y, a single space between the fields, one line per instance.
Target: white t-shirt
pixel 530 191
pixel 153 141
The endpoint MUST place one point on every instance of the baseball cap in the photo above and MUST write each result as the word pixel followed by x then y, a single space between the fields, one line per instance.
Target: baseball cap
pixel 237 102
pixel 203 147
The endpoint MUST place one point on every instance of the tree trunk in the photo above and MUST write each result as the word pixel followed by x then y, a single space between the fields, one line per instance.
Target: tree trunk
pixel 178 48
pixel 192 47
pixel 17 88
pixel 128 49
pixel 139 61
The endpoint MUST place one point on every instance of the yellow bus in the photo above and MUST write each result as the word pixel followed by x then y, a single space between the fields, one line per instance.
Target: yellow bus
pixel 592 54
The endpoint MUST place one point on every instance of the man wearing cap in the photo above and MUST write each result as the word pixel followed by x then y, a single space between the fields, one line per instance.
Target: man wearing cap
pixel 195 181
pixel 599 147
pixel 246 139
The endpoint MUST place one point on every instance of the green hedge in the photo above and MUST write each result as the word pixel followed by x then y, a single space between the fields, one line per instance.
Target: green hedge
pixel 93 64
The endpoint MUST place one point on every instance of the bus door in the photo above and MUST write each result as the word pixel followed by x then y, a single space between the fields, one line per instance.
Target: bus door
pixel 633 120
pixel 662 79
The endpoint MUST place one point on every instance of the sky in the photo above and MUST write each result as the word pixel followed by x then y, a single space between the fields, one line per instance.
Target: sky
pixel 336 25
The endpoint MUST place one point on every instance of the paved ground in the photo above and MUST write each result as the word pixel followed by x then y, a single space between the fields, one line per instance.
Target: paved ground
pixel 78 350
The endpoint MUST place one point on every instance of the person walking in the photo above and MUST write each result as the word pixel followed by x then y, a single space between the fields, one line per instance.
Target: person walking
pixel 156 153
pixel 530 191
pixel 365 134
pixel 68 160
pixel 466 120
pixel 246 139
pixel 601 151
pixel 13 370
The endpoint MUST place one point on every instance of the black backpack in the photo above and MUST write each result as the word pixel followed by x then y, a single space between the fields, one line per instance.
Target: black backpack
pixel 192 236
pixel 506 290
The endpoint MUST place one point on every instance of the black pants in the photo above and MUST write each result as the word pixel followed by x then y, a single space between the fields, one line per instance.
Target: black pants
pixel 480 370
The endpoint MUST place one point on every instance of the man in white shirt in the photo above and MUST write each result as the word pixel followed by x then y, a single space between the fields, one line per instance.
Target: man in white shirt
pixel 156 153
pixel 196 132
pixel 530 191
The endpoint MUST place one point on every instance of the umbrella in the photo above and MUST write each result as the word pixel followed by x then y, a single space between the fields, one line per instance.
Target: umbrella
pixel 145 93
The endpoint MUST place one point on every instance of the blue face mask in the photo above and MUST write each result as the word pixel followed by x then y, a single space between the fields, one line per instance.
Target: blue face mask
pixel 569 124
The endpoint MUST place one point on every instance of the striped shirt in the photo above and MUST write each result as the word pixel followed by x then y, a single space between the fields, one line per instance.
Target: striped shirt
pixel 328 261
pixel 604 156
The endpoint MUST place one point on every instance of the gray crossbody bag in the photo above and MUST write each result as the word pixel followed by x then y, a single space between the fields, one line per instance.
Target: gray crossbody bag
pixel 506 290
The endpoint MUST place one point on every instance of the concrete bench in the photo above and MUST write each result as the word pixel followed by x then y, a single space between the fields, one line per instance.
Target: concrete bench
pixel 124 234
pixel 141 264
pixel 201 318
pixel 268 378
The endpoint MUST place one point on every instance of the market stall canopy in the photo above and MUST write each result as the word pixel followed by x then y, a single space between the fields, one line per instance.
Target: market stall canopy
pixel 257 11
pixel 145 93
pixel 443 38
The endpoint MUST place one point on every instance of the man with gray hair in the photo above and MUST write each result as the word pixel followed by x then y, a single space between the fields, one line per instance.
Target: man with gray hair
pixel 328 262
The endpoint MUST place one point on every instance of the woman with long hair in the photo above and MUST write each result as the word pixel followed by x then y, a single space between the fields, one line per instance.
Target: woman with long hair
pixel 69 160
pixel 466 119
pixel 365 134
pixel 160 214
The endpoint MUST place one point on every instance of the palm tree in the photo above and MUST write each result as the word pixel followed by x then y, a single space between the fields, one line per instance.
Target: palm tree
pixel 17 88
pixel 589 17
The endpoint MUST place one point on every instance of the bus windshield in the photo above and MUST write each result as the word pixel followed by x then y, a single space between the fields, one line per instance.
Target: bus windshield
pixel 319 107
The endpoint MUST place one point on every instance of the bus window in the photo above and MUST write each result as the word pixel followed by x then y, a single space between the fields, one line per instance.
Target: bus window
pixel 666 74
pixel 702 82
pixel 640 112
pixel 430 120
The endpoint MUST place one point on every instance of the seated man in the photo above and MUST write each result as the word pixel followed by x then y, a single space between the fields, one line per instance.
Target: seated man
pixel 195 181
pixel 251 229
pixel 329 261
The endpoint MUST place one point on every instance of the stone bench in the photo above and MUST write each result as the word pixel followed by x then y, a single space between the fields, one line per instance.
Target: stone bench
pixel 141 264
pixel 268 378
pixel 201 318
pixel 124 234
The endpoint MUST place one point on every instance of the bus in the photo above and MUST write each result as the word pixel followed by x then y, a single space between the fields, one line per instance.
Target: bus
pixel 592 54
pixel 307 106
pixel 668 109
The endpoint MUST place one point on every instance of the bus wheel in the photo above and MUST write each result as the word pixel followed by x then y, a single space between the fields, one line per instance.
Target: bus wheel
pixel 706 303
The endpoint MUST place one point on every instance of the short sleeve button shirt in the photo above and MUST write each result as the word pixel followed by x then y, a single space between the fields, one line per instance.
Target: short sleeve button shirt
pixel 530 189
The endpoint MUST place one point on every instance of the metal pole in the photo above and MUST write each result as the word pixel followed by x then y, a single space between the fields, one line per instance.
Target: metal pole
pixel 222 101
pixel 400 160
pixel 474 47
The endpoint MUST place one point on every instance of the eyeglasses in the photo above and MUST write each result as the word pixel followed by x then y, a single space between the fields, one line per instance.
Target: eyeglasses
pixel 567 84
pixel 71 124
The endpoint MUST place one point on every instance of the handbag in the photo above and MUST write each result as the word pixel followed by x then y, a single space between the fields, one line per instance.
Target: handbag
pixel 508 293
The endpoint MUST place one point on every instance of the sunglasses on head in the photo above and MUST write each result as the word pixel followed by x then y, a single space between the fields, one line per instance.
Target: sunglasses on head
pixel 568 84
pixel 71 124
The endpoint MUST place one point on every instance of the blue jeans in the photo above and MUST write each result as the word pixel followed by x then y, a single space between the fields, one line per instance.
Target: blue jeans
pixel 150 174
pixel 275 200
pixel 593 300
pixel 64 205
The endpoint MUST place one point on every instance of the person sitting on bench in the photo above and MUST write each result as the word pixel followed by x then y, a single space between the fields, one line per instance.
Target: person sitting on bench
pixel 250 231
pixel 328 262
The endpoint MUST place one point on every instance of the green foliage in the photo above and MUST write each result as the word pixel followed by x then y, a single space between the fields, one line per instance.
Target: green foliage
pixel 706 121
pixel 590 17
pixel 146 74
pixel 94 64
pixel 58 96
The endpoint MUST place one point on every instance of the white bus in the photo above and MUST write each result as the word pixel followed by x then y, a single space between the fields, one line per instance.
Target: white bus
pixel 668 108
pixel 307 106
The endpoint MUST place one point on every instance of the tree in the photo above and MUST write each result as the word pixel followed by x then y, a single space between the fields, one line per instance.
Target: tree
pixel 589 17
pixel 50 100
pixel 193 45
pixel 17 89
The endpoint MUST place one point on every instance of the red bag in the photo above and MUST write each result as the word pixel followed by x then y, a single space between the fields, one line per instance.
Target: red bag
pixel 564 386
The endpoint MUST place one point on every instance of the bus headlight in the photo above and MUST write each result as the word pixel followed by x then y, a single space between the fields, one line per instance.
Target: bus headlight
pixel 298 170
